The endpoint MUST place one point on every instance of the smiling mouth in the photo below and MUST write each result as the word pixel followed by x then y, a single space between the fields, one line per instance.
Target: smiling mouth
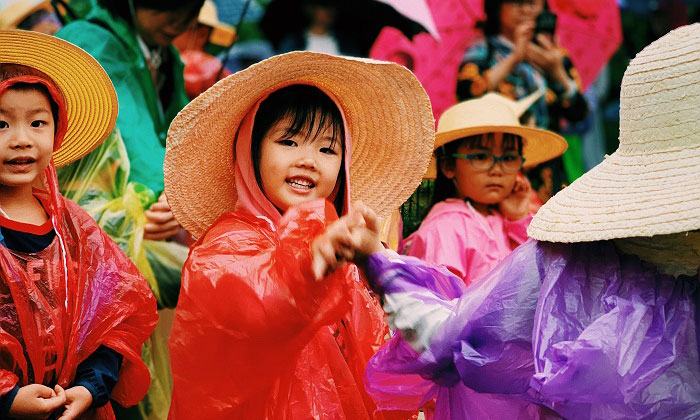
pixel 300 183
pixel 20 161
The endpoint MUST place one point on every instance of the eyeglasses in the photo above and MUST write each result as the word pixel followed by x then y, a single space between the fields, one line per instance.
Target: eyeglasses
pixel 484 161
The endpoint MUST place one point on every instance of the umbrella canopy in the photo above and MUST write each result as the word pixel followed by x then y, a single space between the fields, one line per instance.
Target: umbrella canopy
pixel 434 62
pixel 591 31
pixel 358 21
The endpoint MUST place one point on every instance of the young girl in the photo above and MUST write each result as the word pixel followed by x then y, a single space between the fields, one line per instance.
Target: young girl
pixel 75 311
pixel 481 201
pixel 248 167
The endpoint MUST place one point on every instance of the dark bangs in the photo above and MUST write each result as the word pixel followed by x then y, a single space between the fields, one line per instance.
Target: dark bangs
pixel 485 141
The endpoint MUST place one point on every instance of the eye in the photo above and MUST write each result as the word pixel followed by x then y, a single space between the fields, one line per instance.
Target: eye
pixel 4 124
pixel 287 142
pixel 38 123
pixel 328 151
pixel 511 158
pixel 480 156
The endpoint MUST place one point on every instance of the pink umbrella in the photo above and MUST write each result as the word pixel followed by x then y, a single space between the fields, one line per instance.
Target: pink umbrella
pixel 589 29
pixel 435 62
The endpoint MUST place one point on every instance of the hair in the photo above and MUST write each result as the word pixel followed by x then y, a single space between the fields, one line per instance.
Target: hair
pixel 445 187
pixel 122 9
pixel 310 111
pixel 492 9
pixel 9 71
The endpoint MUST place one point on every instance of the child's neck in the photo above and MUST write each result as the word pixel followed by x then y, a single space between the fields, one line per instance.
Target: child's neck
pixel 20 205
pixel 484 209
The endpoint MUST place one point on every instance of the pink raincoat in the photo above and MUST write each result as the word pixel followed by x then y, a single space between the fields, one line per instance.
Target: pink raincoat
pixel 468 243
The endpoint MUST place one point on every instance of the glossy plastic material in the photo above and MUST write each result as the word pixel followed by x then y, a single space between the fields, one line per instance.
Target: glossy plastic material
pixel 59 305
pixel 256 337
pixel 574 329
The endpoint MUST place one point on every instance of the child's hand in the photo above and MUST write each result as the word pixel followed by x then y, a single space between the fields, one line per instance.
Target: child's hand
pixel 161 223
pixel 78 400
pixel 36 401
pixel 351 238
pixel 517 205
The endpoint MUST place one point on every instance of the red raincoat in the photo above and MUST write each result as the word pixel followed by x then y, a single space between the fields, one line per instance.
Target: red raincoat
pixel 59 305
pixel 256 337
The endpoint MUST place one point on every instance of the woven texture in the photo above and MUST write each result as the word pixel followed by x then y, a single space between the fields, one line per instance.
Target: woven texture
pixel 89 97
pixel 494 113
pixel 649 186
pixel 386 110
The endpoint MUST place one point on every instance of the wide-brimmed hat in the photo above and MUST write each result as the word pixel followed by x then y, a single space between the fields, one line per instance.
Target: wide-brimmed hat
pixel 386 111
pixel 494 113
pixel 15 12
pixel 88 94
pixel 649 186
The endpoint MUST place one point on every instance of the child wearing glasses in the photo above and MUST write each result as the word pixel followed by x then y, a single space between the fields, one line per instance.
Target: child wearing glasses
pixel 481 202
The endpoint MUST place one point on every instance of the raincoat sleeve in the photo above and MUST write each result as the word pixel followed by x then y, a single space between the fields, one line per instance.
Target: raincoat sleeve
pixel 248 305
pixel 517 229
pixel 478 336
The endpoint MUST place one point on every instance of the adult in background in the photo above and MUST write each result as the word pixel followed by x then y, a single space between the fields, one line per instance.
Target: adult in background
pixel 132 39
pixel 515 61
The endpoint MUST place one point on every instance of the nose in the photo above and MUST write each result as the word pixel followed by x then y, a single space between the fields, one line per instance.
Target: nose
pixel 306 161
pixel 496 169
pixel 20 138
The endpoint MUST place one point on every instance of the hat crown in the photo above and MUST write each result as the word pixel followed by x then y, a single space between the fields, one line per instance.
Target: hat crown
pixel 489 110
pixel 660 95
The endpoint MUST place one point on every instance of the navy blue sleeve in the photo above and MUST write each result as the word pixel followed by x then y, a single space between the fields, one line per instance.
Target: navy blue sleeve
pixel 99 373
pixel 6 402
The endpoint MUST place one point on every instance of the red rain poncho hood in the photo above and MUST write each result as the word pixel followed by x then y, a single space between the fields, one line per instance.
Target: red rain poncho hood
pixel 59 305
pixel 255 336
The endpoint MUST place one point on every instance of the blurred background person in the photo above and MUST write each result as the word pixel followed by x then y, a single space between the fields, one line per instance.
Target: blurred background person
pixel 515 58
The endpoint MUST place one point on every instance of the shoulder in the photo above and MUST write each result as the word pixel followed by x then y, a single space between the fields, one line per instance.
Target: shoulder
pixel 98 40
pixel 477 51
pixel 234 235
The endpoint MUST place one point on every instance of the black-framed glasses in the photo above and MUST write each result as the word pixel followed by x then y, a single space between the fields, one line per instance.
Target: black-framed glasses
pixel 484 161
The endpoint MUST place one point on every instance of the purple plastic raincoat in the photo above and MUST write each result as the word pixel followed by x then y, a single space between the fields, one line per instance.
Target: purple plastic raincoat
pixel 573 329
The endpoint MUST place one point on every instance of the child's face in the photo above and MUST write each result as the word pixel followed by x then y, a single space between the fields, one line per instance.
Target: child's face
pixel 294 170
pixel 482 186
pixel 26 136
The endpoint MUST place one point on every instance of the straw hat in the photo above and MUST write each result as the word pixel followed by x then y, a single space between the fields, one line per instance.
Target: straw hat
pixel 385 108
pixel 88 94
pixel 18 10
pixel 496 113
pixel 221 33
pixel 649 186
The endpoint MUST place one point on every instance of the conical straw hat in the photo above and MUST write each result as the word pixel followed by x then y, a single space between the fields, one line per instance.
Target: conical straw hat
pixel 386 110
pixel 649 186
pixel 494 113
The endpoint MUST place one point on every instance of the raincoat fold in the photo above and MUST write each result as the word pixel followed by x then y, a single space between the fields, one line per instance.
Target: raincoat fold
pixel 256 337
pixel 59 305
pixel 574 329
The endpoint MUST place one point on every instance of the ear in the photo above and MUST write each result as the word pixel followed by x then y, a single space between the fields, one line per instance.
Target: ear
pixel 447 167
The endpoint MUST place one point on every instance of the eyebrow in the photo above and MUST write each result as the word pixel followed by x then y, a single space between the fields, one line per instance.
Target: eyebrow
pixel 30 112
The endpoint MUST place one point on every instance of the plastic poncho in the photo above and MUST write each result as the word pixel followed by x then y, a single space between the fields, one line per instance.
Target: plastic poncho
pixel 457 236
pixel 142 121
pixel 99 184
pixel 573 329
pixel 255 336
pixel 59 305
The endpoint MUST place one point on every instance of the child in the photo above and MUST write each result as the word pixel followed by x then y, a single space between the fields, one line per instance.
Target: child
pixel 74 310
pixel 596 318
pixel 248 166
pixel 481 201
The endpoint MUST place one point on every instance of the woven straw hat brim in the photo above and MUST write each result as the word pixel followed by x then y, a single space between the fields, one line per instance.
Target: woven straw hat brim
pixel 623 197
pixel 538 145
pixel 649 186
pixel 14 13
pixel 387 113
pixel 89 96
